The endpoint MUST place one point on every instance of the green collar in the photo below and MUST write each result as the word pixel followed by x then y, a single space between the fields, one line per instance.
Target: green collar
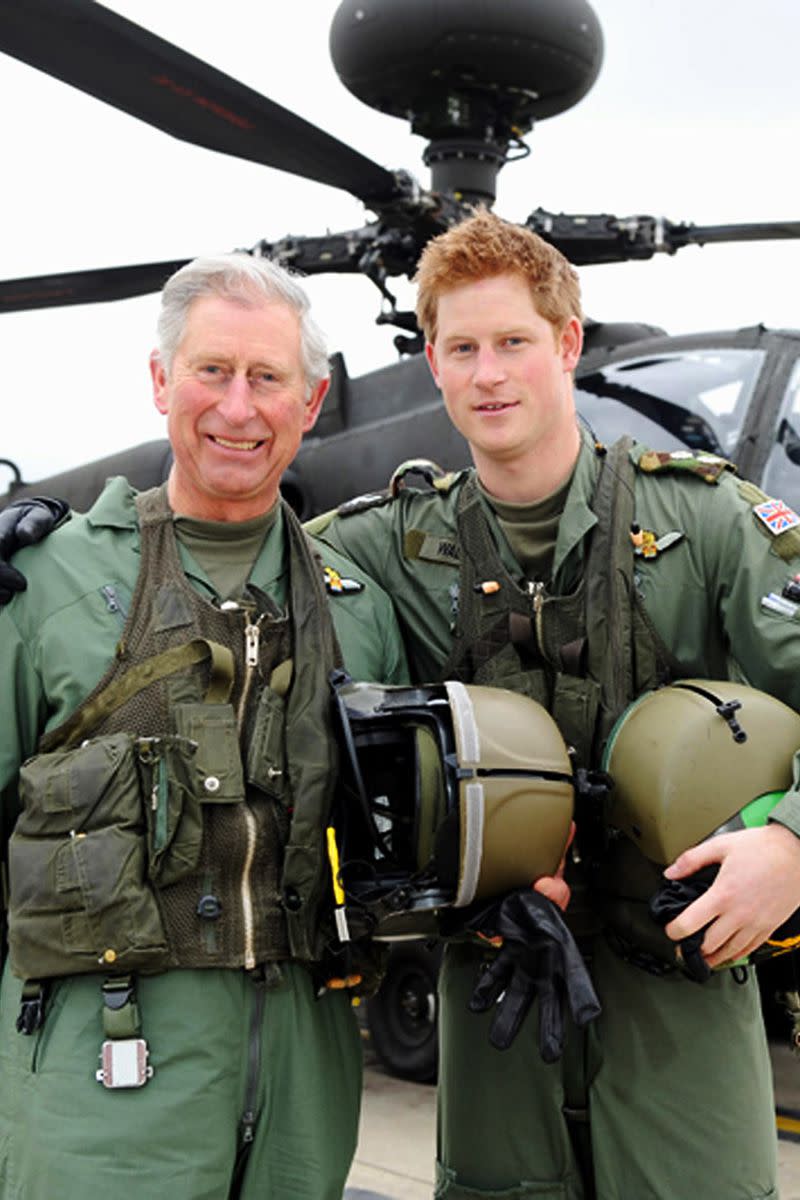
pixel 115 509
pixel 578 517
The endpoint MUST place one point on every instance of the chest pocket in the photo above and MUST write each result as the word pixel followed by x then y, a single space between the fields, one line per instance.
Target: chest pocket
pixel 266 758
pixel 218 762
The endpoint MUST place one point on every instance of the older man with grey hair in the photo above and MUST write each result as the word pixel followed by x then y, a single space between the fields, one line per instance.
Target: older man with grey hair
pixel 166 771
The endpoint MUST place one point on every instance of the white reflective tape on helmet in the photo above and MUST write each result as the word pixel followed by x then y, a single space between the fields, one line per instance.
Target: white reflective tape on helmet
pixel 472 815
pixel 467 737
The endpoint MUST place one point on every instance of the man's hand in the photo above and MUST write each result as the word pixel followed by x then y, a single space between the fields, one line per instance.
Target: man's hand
pixel 23 523
pixel 756 889
pixel 537 959
pixel 555 887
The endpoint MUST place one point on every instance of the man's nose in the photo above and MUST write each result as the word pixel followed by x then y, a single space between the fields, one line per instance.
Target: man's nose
pixel 489 369
pixel 236 405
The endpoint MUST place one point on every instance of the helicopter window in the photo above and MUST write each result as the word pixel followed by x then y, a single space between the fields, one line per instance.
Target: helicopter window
pixel 695 399
pixel 782 472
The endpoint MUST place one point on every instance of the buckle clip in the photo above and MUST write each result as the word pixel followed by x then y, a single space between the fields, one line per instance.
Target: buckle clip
pixel 31 1008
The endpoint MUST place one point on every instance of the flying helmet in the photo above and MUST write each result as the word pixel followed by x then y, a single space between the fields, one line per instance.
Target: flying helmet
pixel 450 793
pixel 697 758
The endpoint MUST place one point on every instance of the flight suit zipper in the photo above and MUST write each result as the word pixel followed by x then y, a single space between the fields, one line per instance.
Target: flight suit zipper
pixel 114 601
pixel 249 1118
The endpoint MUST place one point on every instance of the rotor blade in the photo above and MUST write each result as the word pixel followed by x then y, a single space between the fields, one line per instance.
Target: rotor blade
pixel 85 287
pixel 102 53
pixel 592 238
pixel 761 231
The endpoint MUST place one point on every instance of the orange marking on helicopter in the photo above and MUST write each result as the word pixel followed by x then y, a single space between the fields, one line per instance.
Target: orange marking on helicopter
pixel 218 110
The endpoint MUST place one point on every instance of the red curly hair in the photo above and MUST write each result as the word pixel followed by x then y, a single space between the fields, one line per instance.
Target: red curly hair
pixel 484 245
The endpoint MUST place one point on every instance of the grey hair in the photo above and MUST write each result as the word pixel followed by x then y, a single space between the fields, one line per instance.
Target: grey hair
pixel 245 280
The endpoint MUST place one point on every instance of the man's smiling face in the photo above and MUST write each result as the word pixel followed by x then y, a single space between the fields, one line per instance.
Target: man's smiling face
pixel 503 370
pixel 237 406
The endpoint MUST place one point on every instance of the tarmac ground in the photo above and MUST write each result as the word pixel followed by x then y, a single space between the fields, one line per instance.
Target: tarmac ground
pixel 395 1155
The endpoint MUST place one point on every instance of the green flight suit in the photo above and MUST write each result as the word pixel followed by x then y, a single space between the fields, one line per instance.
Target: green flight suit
pixel 677 1075
pixel 237 1056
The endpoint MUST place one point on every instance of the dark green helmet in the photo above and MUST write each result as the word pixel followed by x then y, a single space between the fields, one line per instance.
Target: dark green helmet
pixel 454 793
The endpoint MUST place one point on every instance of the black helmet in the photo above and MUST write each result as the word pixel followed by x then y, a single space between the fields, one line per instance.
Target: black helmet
pixel 451 793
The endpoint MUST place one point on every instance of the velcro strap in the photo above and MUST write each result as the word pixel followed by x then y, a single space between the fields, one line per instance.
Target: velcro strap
pixel 281 677
pixel 520 629
pixel 573 656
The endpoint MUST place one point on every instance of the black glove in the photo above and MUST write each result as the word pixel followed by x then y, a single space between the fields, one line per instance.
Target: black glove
pixel 671 899
pixel 23 523
pixel 538 958
pixel 675 895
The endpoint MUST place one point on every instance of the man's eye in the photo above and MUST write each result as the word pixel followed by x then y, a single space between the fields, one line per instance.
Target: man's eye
pixel 210 370
pixel 262 381
pixel 462 348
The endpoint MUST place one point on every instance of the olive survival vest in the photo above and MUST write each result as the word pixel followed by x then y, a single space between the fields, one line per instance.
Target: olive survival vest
pixel 584 655
pixel 176 819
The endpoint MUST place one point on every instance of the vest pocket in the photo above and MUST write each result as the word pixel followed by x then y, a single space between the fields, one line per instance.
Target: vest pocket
pixel 218 762
pixel 265 748
pixel 172 807
pixel 78 896
pixel 574 709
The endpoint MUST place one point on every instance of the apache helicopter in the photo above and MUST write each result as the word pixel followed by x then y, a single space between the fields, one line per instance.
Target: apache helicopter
pixel 471 78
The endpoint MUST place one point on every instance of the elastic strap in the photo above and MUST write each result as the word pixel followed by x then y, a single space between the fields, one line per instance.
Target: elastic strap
pixel 576 1108
pixel 121 1017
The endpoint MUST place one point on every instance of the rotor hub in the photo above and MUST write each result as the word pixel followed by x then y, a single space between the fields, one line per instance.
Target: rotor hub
pixel 471 77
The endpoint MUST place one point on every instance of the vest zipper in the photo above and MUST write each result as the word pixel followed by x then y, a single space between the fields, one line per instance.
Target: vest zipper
pixel 247 895
pixel 252 636
pixel 536 592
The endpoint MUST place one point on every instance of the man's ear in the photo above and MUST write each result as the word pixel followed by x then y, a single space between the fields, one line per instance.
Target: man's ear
pixel 314 404
pixel 571 343
pixel 430 354
pixel 159 378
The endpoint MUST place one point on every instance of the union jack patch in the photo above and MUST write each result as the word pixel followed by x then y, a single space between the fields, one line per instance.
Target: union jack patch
pixel 776 515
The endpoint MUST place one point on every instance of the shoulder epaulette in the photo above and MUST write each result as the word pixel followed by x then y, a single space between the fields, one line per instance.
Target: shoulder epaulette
pixel 360 504
pixel 436 478
pixel 709 467
pixel 431 472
